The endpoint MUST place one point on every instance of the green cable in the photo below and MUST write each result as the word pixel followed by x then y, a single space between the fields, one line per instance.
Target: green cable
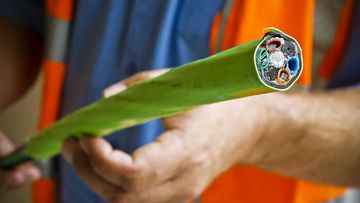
pixel 231 74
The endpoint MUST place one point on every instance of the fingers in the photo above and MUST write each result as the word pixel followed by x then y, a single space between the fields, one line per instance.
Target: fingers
pixel 6 146
pixel 115 166
pixel 28 172
pixel 164 193
pixel 69 148
pixel 114 89
pixel 122 85
pixel 161 171
pixel 148 176
pixel 163 158
pixel 22 174
pixel 144 75
pixel 182 188
pixel 73 153
pixel 144 169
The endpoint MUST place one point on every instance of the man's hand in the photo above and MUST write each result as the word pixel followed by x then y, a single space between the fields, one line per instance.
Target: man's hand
pixel 311 136
pixel 21 175
pixel 195 148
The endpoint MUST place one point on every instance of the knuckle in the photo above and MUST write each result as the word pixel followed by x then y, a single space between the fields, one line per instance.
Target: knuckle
pixel 137 169
pixel 98 157
pixel 77 161
pixel 155 172
pixel 117 199
pixel 146 169
pixel 140 168
pixel 133 185
pixel 136 182
pixel 200 159
pixel 99 165
pixel 144 75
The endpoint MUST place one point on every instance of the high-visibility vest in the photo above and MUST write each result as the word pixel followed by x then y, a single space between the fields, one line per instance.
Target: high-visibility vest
pixel 242 21
pixel 59 15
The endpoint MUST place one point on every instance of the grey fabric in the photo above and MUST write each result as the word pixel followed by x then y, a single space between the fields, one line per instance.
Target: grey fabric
pixel 57 32
pixel 226 12
pixel 348 71
pixel 327 13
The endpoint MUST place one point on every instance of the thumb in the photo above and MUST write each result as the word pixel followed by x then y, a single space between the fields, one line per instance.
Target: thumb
pixel 124 84
pixel 6 146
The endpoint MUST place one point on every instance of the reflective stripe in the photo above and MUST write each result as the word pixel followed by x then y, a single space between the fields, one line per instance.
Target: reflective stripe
pixel 57 33
pixel 333 57
pixel 59 13
pixel 224 18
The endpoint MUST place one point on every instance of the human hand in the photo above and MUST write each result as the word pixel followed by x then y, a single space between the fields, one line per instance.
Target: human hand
pixel 195 148
pixel 19 176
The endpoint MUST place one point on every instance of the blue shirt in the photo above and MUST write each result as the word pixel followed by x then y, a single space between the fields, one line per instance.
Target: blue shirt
pixel 114 39
pixel 111 40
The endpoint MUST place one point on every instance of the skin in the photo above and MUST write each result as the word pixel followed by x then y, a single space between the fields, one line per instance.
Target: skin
pixel 313 136
pixel 20 55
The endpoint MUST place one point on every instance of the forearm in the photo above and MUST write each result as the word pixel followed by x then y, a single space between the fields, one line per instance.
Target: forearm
pixel 314 136
pixel 20 55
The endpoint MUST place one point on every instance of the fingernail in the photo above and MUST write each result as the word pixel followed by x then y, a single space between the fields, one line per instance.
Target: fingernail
pixel 6 146
pixel 83 143
pixel 69 149
pixel 114 89
pixel 32 174
pixel 67 155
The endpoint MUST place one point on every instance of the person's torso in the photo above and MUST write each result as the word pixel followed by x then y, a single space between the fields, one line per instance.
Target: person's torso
pixel 111 40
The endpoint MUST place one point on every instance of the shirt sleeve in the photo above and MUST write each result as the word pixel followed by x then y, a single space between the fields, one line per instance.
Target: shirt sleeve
pixel 30 13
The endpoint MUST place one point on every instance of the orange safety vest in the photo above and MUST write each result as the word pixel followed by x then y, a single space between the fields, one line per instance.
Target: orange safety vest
pixel 59 15
pixel 244 22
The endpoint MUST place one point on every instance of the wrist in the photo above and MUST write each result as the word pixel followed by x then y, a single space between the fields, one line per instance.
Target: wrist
pixel 270 124
pixel 243 133
pixel 282 128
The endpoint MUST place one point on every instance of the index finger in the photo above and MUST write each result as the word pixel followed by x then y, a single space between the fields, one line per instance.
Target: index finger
pixel 6 146
pixel 123 84
pixel 113 165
